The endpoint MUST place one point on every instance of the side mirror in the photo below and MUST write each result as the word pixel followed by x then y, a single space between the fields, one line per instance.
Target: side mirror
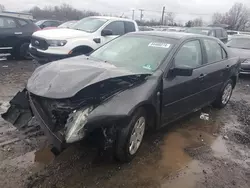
pixel 106 32
pixel 181 71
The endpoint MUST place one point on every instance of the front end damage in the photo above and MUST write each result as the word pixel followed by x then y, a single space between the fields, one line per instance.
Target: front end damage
pixel 65 121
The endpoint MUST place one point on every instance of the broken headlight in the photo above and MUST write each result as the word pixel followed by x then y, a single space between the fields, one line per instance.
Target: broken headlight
pixel 75 124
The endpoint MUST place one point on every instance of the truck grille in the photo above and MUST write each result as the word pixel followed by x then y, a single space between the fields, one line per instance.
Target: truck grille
pixel 39 43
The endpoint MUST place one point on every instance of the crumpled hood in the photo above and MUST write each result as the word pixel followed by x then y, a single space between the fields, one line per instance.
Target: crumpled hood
pixel 60 34
pixel 241 53
pixel 65 78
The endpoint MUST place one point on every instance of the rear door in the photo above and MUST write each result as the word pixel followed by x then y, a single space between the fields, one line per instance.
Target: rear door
pixel 216 69
pixel 10 33
pixel 117 28
pixel 181 94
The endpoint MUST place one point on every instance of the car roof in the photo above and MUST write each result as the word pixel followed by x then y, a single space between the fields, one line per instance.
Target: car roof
pixel 172 35
pixel 111 18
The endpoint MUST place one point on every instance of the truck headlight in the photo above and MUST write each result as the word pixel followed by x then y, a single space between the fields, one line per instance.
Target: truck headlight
pixel 247 61
pixel 75 125
pixel 56 42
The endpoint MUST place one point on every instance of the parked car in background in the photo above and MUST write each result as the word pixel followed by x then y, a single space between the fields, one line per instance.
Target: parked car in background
pixel 68 24
pixel 146 28
pixel 240 46
pixel 138 81
pixel 217 32
pixel 15 36
pixel 48 23
pixel 82 38
pixel 176 29
pixel 231 33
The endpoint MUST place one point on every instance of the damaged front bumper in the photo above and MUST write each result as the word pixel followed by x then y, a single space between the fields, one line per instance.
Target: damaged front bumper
pixel 24 107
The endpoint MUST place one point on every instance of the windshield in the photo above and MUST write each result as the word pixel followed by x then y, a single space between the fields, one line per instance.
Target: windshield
pixel 243 43
pixel 67 24
pixel 89 24
pixel 144 53
pixel 198 31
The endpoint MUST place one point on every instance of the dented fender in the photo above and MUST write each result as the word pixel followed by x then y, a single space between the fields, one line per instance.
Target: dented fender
pixel 122 105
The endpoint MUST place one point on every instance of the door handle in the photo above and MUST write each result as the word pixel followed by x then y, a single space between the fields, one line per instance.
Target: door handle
pixel 202 76
pixel 18 33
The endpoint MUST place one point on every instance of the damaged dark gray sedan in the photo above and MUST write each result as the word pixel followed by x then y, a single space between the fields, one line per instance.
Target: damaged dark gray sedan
pixel 138 81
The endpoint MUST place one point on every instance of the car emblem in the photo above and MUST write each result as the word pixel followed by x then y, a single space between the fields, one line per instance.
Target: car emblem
pixel 37 42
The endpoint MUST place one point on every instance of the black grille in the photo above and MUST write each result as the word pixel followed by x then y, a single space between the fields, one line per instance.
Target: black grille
pixel 39 43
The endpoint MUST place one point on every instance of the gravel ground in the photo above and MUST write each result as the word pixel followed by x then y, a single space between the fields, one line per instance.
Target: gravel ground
pixel 190 153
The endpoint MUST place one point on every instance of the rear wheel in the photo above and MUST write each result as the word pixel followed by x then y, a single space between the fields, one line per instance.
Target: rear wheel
pixel 225 95
pixel 130 137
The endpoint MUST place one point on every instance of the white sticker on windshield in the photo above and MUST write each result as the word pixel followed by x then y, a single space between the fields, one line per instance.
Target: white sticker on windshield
pixel 159 45
pixel 147 67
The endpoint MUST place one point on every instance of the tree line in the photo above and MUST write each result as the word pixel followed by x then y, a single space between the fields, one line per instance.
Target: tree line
pixel 237 18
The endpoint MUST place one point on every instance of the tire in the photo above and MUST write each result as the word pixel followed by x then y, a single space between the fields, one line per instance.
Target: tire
pixel 125 151
pixel 24 51
pixel 224 95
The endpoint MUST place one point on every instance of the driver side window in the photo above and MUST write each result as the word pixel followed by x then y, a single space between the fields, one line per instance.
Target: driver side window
pixel 189 55
pixel 117 28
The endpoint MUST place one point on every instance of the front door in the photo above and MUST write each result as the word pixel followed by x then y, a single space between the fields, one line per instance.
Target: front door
pixel 181 94
pixel 117 28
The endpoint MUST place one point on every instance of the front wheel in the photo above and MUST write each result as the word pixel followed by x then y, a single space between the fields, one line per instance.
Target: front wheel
pixel 130 137
pixel 224 96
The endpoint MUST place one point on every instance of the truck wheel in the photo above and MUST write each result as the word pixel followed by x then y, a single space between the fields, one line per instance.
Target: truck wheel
pixel 130 137
pixel 224 95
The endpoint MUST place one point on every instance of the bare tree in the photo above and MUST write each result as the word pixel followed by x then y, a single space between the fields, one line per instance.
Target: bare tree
pixel 63 12
pixel 2 8
pixel 197 22
pixel 169 18
pixel 237 17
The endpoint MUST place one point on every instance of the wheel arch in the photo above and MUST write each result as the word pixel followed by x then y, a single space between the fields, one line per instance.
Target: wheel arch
pixel 84 48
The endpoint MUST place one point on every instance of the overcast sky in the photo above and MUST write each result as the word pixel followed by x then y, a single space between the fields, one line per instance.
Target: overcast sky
pixel 184 9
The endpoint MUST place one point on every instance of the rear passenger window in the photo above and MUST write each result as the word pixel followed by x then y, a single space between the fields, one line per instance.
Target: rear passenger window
pixel 189 55
pixel 129 27
pixel 214 51
pixel 116 27
pixel 7 23
pixel 218 33
pixel 22 22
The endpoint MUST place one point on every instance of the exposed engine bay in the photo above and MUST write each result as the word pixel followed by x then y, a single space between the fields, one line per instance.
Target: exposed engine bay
pixel 64 120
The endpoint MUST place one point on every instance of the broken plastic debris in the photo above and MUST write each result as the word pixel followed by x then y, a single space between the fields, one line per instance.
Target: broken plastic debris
pixel 204 116
pixel 225 137
pixel 5 66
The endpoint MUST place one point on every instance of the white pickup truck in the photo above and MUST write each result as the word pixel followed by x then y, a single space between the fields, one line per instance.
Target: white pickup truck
pixel 83 37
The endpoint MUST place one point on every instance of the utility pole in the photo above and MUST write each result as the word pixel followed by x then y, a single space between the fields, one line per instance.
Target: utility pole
pixel 133 14
pixel 141 14
pixel 162 16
